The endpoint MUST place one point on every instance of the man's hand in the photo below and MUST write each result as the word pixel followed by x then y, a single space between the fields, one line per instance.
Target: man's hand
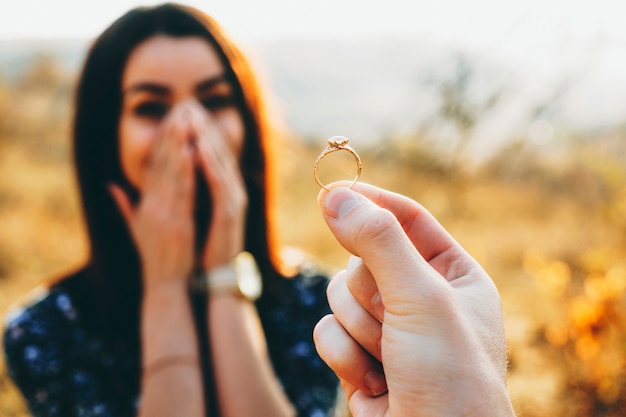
pixel 417 326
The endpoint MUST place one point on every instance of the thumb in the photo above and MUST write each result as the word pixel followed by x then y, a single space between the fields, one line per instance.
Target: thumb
pixel 375 235
pixel 122 201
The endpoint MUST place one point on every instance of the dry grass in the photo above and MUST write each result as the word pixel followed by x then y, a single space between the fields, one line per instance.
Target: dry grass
pixel 553 240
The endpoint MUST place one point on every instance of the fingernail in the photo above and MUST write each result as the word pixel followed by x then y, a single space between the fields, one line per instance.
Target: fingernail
pixel 340 201
pixel 378 307
pixel 375 382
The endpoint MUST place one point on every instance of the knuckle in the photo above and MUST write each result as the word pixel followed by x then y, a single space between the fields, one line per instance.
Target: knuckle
pixel 334 283
pixel 322 327
pixel 376 226
pixel 441 297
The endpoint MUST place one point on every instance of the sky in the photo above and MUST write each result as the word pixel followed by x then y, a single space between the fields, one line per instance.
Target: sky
pixel 548 39
pixel 465 22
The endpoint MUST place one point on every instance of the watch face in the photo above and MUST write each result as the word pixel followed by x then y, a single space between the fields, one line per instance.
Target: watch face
pixel 248 276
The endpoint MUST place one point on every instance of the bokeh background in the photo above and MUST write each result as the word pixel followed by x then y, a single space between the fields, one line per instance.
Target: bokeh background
pixel 507 121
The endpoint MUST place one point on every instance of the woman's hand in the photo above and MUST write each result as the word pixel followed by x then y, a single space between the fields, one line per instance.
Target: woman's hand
pixel 161 224
pixel 221 168
pixel 417 326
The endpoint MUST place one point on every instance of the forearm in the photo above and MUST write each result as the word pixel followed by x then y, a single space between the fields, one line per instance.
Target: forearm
pixel 246 382
pixel 171 382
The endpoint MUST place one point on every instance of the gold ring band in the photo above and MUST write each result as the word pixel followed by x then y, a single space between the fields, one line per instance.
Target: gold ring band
pixel 337 143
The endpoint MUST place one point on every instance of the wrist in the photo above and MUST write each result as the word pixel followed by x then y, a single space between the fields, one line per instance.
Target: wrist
pixel 160 277
pixel 495 400
pixel 237 278
pixel 168 361
pixel 165 290
pixel 227 301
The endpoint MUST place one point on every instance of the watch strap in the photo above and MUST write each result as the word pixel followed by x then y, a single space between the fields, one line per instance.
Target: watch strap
pixel 239 277
pixel 222 280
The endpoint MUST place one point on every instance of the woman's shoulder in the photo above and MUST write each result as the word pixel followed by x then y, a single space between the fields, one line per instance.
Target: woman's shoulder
pixel 43 314
pixel 305 271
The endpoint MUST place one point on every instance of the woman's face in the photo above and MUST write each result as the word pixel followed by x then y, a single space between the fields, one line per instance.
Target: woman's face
pixel 161 73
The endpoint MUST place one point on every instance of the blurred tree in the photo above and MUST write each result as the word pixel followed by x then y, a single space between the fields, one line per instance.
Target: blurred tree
pixel 41 107
pixel 412 152
pixel 460 107
pixel 44 73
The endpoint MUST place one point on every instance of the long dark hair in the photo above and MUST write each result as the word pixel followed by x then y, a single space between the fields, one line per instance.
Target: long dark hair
pixel 109 288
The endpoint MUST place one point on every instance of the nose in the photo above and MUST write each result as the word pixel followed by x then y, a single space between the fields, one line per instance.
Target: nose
pixel 190 107
pixel 185 105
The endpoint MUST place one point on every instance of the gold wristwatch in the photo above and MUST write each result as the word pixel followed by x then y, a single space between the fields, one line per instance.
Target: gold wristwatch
pixel 240 277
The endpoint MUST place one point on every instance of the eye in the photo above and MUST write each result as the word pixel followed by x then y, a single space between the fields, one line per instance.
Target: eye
pixel 218 102
pixel 152 109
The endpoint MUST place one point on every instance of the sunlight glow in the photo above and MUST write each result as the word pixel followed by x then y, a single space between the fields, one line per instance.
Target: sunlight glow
pixel 477 22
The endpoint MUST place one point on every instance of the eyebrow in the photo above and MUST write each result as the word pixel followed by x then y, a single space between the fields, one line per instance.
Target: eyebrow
pixel 212 82
pixel 159 89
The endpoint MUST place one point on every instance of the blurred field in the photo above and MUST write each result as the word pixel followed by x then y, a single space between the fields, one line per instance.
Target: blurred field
pixel 548 224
